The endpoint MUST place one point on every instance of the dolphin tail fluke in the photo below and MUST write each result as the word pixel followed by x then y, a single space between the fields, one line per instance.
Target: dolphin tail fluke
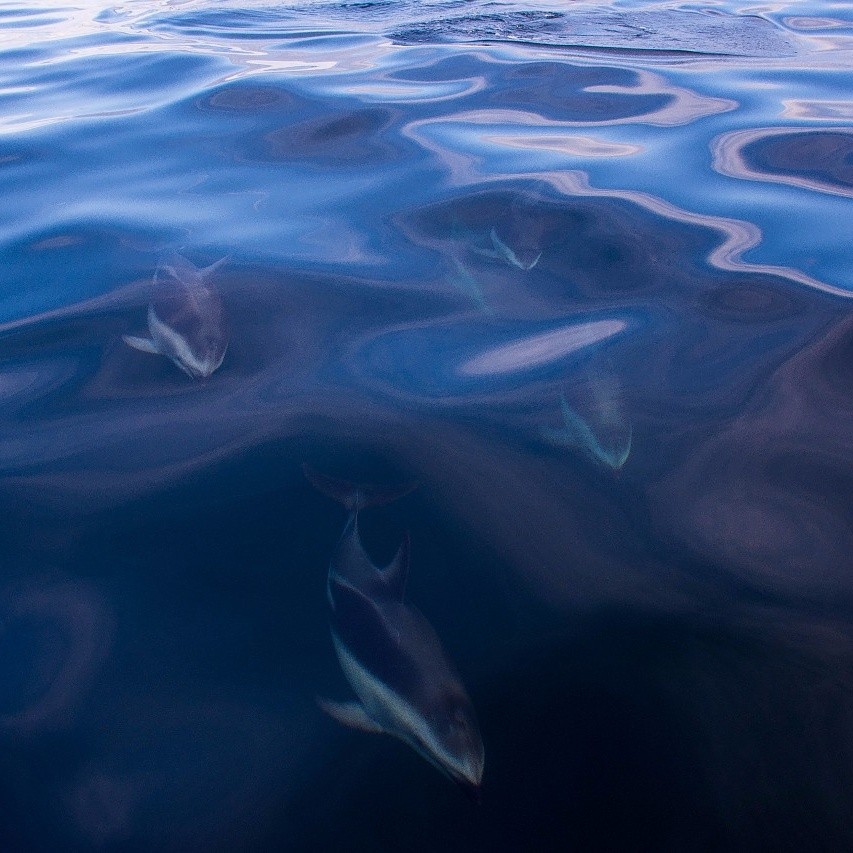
pixel 356 496
pixel 349 714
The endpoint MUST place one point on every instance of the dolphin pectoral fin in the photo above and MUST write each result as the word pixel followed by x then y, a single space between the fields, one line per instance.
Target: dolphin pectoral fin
pixel 486 253
pixel 142 344
pixel 349 714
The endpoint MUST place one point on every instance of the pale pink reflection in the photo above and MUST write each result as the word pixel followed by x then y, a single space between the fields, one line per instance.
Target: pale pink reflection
pixel 738 236
pixel 826 110
pixel 729 160
pixel 772 506
pixel 85 625
pixel 685 106
pixel 574 146
pixel 805 23
pixel 540 349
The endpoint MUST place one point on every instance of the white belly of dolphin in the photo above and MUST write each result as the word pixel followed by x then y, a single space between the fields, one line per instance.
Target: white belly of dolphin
pixel 396 716
pixel 175 346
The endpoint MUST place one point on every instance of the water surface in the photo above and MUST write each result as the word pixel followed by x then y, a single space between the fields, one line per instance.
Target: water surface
pixel 581 270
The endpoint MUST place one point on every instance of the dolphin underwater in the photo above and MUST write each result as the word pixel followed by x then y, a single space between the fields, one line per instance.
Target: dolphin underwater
pixel 501 250
pixel 469 286
pixel 186 320
pixel 390 654
pixel 611 448
pixel 526 260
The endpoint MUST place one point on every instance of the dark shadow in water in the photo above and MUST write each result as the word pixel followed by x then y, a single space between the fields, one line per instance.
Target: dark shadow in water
pixel 717 713
pixel 311 131
pixel 247 98
pixel 556 90
pixel 775 477
pixel 824 157
pixel 352 138
pixel 627 733
pixel 288 127
pixel 819 160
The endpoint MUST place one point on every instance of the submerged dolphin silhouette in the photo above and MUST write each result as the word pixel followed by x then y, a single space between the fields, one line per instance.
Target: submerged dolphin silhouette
pixel 186 319
pixel 502 250
pixel 468 285
pixel 576 432
pixel 390 654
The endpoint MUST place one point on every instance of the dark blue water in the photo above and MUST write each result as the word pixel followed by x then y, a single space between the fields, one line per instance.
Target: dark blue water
pixel 582 271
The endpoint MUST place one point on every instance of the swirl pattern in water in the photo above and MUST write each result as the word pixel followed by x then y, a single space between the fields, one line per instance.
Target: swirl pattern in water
pixel 553 298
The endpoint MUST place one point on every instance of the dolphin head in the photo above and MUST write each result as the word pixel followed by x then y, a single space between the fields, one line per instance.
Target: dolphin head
pixel 206 344
pixel 451 740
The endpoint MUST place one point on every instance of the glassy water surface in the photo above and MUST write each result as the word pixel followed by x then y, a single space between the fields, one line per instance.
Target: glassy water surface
pixel 580 271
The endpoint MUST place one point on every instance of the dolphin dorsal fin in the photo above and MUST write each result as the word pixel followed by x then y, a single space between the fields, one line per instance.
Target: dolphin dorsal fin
pixel 174 267
pixel 206 272
pixel 397 571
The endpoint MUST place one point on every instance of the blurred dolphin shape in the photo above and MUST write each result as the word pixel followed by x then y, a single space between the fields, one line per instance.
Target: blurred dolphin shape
pixel 519 236
pixel 526 262
pixel 186 319
pixel 607 440
pixel 523 258
pixel 466 284
pixel 390 654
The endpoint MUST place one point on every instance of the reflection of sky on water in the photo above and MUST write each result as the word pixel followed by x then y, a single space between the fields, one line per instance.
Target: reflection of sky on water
pixel 540 349
pixel 455 362
pixel 633 108
pixel 812 159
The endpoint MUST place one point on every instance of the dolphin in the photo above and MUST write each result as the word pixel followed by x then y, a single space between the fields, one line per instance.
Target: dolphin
pixel 390 654
pixel 469 286
pixel 502 250
pixel 186 320
pixel 576 432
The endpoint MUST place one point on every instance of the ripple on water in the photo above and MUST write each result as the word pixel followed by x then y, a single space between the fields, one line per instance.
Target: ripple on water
pixel 814 159
pixel 658 30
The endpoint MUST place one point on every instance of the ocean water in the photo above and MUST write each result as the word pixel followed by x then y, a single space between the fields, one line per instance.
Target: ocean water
pixel 580 270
